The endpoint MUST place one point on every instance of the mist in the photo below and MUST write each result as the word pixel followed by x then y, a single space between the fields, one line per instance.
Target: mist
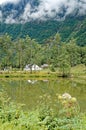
pixel 46 9
pixel 8 1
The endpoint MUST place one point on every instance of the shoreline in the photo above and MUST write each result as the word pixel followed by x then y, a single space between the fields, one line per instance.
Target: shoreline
pixel 24 74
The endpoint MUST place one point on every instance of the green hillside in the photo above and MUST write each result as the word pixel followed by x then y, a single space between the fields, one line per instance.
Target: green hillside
pixel 43 30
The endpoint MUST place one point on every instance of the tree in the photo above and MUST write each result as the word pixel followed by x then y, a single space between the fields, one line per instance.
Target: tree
pixel 83 55
pixel 64 62
pixel 5 50
pixel 55 48
pixel 20 47
pixel 74 53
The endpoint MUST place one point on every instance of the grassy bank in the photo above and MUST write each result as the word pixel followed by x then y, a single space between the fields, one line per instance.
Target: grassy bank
pixel 25 74
pixel 77 71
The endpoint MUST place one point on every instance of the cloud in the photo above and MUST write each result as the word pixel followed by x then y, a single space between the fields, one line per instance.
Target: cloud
pixel 54 9
pixel 11 17
pixel 8 1
pixel 46 9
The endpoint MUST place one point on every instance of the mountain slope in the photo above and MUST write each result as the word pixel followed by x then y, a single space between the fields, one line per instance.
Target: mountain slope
pixel 41 31
pixel 42 19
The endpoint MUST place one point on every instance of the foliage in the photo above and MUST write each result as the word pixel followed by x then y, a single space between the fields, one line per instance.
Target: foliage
pixel 43 30
pixel 23 51
pixel 13 117
pixel 70 106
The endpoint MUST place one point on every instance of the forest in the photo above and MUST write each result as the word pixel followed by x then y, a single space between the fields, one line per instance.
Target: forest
pixel 57 54
pixel 43 30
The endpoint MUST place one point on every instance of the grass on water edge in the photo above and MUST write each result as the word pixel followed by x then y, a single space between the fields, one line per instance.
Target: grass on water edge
pixel 77 71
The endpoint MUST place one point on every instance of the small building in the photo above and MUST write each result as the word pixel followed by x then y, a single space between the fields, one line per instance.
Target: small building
pixel 44 66
pixel 33 67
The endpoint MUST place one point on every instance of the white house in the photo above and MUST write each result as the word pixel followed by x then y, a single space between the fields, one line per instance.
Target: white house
pixel 33 67
pixel 32 81
pixel 44 66
pixel 36 67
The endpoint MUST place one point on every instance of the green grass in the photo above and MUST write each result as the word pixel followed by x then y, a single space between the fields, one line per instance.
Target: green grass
pixel 13 74
pixel 13 117
pixel 77 71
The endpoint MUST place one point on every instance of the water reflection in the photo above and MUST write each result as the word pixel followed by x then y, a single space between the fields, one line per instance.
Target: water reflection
pixel 32 81
pixel 28 91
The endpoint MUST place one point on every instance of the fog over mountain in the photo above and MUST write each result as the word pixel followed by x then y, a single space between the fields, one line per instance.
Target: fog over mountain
pixel 15 11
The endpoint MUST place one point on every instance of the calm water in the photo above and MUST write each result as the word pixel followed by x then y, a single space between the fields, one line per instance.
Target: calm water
pixel 28 91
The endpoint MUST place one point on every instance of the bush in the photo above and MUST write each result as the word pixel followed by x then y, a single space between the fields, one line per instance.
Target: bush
pixel 12 117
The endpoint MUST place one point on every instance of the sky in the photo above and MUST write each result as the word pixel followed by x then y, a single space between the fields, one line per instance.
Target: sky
pixel 46 9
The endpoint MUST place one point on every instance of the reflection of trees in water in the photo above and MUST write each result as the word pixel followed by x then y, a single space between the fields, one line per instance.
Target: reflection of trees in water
pixel 23 92
pixel 78 86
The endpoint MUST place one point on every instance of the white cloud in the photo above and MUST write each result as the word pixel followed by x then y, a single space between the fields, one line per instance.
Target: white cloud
pixel 8 1
pixel 48 9
pixel 10 18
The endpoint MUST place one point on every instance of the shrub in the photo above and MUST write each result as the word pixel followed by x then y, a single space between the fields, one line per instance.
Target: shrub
pixel 68 117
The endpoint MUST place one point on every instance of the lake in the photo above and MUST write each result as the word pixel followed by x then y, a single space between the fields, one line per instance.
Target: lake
pixel 28 92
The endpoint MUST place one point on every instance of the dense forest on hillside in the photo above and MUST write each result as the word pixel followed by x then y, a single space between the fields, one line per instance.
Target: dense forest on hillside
pixel 43 30
pixel 18 53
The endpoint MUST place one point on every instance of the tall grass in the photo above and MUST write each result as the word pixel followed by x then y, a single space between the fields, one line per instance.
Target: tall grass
pixel 44 117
